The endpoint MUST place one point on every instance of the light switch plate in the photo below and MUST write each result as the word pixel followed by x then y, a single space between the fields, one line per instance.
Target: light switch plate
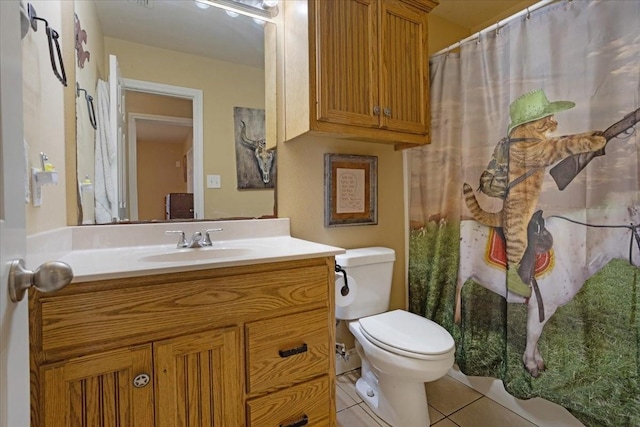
pixel 213 181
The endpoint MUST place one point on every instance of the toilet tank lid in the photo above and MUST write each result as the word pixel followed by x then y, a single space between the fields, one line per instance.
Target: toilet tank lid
pixel 365 256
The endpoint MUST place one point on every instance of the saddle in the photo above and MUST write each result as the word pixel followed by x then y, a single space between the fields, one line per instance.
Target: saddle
pixel 539 241
pixel 538 257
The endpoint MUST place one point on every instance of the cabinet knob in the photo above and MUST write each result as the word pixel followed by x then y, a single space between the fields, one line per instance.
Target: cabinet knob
pixel 387 112
pixel 376 110
pixel 141 380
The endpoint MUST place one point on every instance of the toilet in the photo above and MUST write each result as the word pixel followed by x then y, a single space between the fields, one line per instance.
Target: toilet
pixel 400 351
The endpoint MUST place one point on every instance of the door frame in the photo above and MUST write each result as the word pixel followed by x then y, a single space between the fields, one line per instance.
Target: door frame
pixel 132 125
pixel 196 97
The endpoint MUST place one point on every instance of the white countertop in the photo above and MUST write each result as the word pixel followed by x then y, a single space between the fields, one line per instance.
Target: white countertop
pixel 118 251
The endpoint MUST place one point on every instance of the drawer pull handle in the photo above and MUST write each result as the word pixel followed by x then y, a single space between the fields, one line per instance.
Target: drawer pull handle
pixel 303 422
pixel 293 351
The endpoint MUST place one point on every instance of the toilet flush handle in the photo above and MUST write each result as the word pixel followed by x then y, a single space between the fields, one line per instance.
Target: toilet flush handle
pixel 344 291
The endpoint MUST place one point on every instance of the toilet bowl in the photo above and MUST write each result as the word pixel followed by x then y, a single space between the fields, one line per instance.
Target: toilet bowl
pixel 400 351
pixel 396 362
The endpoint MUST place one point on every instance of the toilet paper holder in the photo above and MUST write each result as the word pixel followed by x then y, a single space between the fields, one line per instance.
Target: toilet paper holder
pixel 344 291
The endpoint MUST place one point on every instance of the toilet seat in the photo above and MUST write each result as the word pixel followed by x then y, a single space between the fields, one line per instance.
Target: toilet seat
pixel 407 334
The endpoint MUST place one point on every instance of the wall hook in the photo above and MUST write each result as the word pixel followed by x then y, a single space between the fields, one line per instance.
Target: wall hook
pixel 52 37
pixel 90 110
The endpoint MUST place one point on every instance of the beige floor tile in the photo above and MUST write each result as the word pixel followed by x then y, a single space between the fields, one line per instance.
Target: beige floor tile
pixel 435 415
pixel 355 417
pixel 369 411
pixel 347 382
pixel 445 423
pixel 447 395
pixel 485 412
pixel 343 400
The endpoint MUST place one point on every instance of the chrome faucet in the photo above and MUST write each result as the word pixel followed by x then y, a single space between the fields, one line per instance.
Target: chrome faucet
pixel 196 241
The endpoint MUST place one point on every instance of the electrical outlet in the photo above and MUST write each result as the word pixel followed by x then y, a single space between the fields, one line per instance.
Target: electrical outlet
pixel 213 181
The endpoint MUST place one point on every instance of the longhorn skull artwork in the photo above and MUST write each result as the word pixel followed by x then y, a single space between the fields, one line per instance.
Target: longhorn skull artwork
pixel 264 157
pixel 255 164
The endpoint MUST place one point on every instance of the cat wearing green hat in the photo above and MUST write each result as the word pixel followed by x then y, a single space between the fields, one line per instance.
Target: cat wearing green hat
pixel 531 148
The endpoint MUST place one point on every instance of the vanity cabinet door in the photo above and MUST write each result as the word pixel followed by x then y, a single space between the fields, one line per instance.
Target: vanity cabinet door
pixel 198 380
pixel 99 390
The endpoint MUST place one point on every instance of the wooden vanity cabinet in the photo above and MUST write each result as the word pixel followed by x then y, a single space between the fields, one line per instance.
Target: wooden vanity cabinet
pixel 236 346
pixel 368 70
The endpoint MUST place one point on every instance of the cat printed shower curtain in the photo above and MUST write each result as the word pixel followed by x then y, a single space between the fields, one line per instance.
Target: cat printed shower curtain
pixel 537 279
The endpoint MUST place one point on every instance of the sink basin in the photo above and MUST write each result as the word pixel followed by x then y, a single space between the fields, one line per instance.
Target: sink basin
pixel 201 254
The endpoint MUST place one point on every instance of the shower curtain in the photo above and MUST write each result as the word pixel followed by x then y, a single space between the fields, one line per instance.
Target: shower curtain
pixel 563 323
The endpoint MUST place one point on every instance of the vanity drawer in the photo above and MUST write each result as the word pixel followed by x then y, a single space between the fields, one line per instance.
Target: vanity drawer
pixel 287 350
pixel 308 402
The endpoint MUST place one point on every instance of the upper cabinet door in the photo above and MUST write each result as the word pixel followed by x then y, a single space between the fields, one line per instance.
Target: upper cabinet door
pixel 357 69
pixel 404 71
pixel 347 62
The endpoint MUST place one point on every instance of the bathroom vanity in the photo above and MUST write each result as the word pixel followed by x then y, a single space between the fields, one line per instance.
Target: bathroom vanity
pixel 225 341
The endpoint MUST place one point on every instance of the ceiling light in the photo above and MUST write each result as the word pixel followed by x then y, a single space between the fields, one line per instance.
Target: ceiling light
pixel 202 5
pixel 232 13
pixel 259 21
pixel 246 9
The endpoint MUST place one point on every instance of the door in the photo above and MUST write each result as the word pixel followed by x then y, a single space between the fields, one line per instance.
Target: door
pixel 198 380
pixel 117 127
pixel 347 64
pixel 106 389
pixel 404 71
pixel 14 324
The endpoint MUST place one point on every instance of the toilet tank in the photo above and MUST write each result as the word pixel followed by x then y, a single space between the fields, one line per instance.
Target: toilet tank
pixel 369 274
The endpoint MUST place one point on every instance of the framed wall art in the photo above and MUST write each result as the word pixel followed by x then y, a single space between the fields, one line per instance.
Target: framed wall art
pixel 350 190
pixel 255 164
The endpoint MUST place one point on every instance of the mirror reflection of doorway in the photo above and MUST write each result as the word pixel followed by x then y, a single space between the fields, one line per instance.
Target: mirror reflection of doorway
pixel 161 141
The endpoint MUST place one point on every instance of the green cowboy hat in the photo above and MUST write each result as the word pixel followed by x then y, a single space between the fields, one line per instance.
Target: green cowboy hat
pixel 533 106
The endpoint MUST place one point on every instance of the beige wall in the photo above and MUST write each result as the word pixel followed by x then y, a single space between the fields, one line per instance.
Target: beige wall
pixel 224 86
pixel 301 185
pixel 43 108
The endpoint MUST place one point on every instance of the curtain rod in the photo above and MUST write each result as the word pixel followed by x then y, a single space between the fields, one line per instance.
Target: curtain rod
pixel 497 25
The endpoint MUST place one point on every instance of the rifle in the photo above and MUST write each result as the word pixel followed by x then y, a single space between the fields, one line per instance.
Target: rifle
pixel 564 172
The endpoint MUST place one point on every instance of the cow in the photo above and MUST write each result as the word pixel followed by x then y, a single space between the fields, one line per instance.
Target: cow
pixel 575 262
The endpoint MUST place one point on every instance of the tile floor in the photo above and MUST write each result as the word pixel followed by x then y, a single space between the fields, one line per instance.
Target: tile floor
pixel 451 404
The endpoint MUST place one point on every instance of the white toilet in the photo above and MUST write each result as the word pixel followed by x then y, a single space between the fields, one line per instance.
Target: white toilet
pixel 400 351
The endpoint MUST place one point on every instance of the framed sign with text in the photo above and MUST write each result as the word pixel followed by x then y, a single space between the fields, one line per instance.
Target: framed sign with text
pixel 350 190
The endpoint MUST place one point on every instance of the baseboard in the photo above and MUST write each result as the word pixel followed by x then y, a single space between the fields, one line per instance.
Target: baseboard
pixel 343 366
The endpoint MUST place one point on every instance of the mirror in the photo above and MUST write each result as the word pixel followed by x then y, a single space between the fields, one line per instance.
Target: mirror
pixel 196 125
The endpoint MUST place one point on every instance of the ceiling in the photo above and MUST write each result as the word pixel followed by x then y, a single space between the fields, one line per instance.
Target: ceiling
pixel 476 15
pixel 184 27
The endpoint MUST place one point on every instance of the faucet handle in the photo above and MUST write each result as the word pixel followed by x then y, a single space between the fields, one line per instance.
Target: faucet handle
pixel 207 238
pixel 182 242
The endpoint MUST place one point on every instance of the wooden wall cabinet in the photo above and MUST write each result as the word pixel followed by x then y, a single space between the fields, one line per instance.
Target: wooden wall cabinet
pixel 237 346
pixel 358 69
